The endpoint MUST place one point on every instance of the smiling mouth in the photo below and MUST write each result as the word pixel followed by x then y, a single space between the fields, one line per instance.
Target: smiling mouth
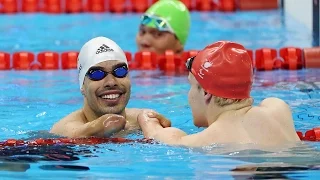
pixel 110 96
pixel 145 46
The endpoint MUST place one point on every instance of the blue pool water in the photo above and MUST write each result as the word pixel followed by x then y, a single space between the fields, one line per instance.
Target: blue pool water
pixel 31 101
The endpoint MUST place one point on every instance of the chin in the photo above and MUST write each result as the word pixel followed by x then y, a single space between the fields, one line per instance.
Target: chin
pixel 200 123
pixel 197 124
pixel 145 49
pixel 114 110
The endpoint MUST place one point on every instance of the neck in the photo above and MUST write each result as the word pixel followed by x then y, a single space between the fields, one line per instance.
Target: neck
pixel 91 115
pixel 88 113
pixel 215 112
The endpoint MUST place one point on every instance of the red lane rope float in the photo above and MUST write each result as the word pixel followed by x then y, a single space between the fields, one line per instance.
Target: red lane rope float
pixel 139 6
pixel 246 5
pixel 117 6
pixel 74 6
pixel 264 59
pixel 96 6
pixel 9 6
pixel 122 6
pixel 22 60
pixel 311 57
pixel 69 60
pixel 48 60
pixel 227 5
pixel 310 135
pixel 51 6
pixel 188 4
pixel 4 60
pixel 292 58
pixel 30 6
pixel 70 141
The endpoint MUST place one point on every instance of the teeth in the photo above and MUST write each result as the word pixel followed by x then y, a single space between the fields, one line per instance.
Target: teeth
pixel 110 96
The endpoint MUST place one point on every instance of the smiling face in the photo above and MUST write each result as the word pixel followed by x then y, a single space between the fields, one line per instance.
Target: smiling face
pixel 151 39
pixel 109 95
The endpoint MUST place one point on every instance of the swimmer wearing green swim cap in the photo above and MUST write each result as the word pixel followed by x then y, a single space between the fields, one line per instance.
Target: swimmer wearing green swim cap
pixel 164 26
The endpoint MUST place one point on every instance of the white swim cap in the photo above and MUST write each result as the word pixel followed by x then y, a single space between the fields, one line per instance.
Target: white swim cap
pixel 97 50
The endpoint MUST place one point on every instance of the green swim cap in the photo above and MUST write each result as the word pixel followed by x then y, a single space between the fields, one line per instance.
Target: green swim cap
pixel 176 14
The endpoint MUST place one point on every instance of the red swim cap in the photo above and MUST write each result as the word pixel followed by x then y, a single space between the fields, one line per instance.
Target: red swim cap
pixel 224 69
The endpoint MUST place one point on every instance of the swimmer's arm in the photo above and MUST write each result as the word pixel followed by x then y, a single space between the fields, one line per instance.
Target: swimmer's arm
pixel 172 136
pixel 73 126
pixel 67 125
pixel 132 116
pixel 177 137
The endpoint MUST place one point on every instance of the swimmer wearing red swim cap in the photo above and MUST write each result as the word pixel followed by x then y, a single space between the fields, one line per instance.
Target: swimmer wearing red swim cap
pixel 221 77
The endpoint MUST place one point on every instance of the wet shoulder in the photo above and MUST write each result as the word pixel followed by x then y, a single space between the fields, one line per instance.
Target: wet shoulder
pixel 271 109
pixel 75 116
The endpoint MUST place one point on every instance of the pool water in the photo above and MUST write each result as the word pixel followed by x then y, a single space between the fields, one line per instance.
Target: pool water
pixel 32 101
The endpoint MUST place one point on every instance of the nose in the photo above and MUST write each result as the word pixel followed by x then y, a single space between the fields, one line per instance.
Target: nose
pixel 146 40
pixel 110 81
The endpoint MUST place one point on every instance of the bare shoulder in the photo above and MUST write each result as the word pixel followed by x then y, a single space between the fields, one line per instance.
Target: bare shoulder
pixel 275 104
pixel 74 118
pixel 273 117
pixel 274 109
pixel 272 100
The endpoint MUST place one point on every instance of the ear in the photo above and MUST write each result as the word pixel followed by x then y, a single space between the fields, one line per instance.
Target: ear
pixel 207 97
pixel 82 91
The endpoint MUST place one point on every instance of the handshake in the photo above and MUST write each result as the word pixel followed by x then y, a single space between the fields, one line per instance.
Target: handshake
pixel 108 125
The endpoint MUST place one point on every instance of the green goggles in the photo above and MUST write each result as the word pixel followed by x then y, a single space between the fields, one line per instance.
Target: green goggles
pixel 160 23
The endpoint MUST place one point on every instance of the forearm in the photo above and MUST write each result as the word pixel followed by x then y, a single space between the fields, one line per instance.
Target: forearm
pixel 170 135
pixel 72 130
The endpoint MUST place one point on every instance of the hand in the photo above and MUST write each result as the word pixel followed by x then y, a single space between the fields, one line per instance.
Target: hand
pixel 113 124
pixel 164 122
pixel 106 125
pixel 149 126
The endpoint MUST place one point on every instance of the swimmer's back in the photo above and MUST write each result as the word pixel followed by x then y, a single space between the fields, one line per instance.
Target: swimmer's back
pixel 271 122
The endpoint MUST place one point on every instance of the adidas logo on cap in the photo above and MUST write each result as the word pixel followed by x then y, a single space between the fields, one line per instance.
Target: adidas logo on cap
pixel 104 48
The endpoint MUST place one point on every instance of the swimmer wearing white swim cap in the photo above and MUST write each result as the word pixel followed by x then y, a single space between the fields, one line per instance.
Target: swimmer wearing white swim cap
pixel 98 50
pixel 106 87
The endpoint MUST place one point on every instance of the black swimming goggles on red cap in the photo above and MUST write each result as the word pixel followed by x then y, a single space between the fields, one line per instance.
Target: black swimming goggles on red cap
pixel 189 63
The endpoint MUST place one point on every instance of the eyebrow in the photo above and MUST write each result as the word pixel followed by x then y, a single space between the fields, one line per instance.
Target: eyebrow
pixel 95 67
pixel 142 27
pixel 119 65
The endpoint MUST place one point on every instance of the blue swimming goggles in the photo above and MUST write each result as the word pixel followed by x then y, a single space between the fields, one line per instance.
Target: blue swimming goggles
pixel 160 23
pixel 189 63
pixel 97 74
